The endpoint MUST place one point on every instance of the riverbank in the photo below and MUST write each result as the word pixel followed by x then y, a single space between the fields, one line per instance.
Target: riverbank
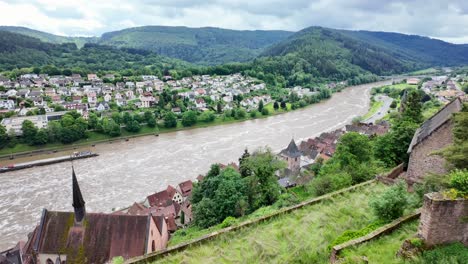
pixel 126 171
pixel 24 150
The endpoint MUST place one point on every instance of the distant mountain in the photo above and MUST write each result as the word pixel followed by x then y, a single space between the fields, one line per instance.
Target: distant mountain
pixel 21 51
pixel 197 45
pixel 47 37
pixel 317 51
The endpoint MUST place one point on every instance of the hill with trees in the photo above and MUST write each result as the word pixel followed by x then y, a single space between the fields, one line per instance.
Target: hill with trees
pixel 20 51
pixel 206 46
pixel 317 51
pixel 47 37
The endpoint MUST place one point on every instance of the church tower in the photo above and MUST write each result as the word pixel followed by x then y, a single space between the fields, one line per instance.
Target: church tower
pixel 78 202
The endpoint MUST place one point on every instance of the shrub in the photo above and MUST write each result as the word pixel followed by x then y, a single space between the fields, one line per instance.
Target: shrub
pixel 452 254
pixel 459 181
pixel 391 204
pixel 285 200
pixel 353 234
pixel 229 221
pixel 265 111
pixel 330 182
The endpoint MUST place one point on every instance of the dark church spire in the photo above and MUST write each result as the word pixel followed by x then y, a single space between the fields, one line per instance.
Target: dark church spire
pixel 78 202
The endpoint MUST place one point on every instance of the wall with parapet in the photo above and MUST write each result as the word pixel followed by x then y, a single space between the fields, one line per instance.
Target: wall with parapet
pixel 443 220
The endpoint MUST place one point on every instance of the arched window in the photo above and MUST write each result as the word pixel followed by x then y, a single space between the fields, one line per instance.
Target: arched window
pixel 153 247
pixel 49 261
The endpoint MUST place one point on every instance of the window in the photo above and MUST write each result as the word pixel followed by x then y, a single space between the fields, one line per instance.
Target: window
pixel 49 261
pixel 153 246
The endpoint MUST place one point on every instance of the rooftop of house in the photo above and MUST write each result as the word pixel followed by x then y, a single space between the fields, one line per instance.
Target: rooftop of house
pixel 102 236
pixel 436 121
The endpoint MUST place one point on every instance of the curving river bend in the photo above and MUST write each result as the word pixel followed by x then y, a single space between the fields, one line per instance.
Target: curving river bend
pixel 128 171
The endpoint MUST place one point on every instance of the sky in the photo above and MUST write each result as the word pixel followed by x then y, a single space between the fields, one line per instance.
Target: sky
pixel 442 19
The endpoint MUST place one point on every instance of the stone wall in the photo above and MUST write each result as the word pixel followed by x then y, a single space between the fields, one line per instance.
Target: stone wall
pixel 443 221
pixel 421 161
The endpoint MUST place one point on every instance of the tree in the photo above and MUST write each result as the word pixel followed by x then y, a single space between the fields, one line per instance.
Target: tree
pixel 260 105
pixel 219 108
pixel 218 196
pixel 263 188
pixel 133 126
pixel 170 120
pixel 275 106
pixel 29 131
pixel 412 107
pixel 457 154
pixel 243 165
pixel 92 121
pixel 41 137
pixel 265 112
pixel 3 136
pixel 189 118
pixel 353 148
pixel 283 105
pixel 207 116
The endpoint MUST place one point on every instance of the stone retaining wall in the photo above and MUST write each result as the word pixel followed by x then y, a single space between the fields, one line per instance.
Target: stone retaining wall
pixel 443 220
pixel 376 233
pixel 157 255
pixel 391 177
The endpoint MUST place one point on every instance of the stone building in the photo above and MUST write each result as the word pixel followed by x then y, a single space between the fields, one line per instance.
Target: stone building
pixel 443 220
pixel 433 135
pixel 292 156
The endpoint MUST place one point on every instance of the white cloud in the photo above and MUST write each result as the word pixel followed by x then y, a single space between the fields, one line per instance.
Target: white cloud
pixel 446 20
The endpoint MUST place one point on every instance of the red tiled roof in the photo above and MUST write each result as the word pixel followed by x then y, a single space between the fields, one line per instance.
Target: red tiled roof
pixel 138 209
pixel 186 187
pixel 161 198
pixel 103 236
pixel 171 191
pixel 171 224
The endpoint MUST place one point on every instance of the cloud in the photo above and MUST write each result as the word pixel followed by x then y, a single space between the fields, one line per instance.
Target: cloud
pixel 439 19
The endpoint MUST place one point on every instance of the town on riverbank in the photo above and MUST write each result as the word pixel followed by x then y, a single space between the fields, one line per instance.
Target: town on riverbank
pixel 171 210
pixel 39 111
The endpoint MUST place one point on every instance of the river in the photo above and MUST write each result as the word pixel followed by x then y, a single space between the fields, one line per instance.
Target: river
pixel 128 171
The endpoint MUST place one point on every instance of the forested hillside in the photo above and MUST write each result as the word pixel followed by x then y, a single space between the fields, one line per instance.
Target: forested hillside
pixel 20 51
pixel 315 53
pixel 205 46
pixel 47 37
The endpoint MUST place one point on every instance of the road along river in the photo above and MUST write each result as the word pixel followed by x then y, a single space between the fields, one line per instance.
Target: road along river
pixel 126 172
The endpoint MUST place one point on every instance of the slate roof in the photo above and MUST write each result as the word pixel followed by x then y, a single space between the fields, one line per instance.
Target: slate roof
pixel 103 236
pixel 291 151
pixel 436 121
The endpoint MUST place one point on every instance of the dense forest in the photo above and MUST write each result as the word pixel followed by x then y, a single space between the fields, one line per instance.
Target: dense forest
pixel 19 51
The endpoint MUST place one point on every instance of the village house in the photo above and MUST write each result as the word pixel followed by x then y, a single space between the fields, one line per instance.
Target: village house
pixel 107 97
pixel 62 236
pixel 413 81
pixel 92 77
pixel 433 135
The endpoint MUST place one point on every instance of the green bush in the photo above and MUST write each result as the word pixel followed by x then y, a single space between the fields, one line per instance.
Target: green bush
pixel 327 183
pixel 459 181
pixel 391 204
pixel 285 200
pixel 353 234
pixel 228 221
pixel 452 254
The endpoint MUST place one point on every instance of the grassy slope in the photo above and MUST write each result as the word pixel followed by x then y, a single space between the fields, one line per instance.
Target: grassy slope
pixel 301 236
pixel 383 249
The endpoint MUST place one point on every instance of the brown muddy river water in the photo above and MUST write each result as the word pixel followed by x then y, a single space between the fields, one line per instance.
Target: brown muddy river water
pixel 129 171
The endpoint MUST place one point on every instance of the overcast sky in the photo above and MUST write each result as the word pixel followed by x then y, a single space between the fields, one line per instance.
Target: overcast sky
pixel 443 19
